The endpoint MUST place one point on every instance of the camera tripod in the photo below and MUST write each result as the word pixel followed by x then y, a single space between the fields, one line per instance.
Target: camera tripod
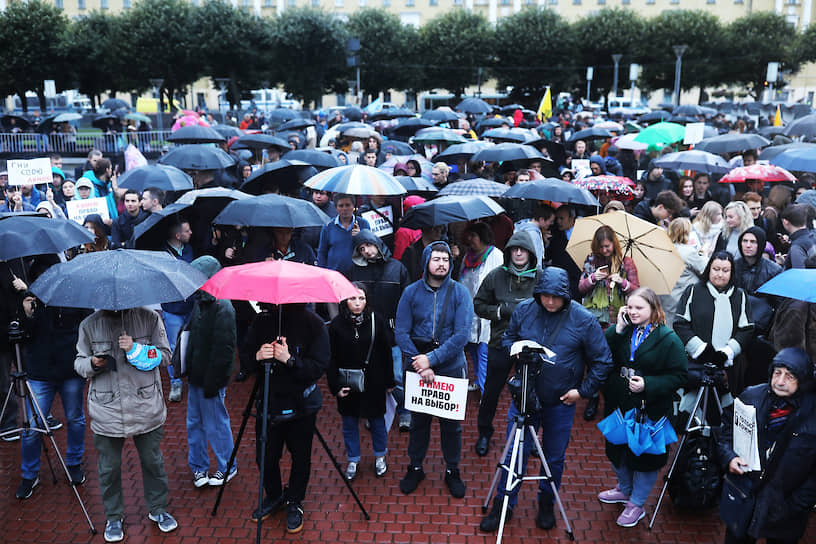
pixel 522 424
pixel 268 369
pixel 707 390
pixel 26 398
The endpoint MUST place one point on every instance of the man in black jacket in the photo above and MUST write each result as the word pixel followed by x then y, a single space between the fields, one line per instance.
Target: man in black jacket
pixel 122 227
pixel 784 490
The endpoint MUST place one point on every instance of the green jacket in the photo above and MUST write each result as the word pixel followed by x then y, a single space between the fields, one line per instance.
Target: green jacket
pixel 661 360
pixel 211 346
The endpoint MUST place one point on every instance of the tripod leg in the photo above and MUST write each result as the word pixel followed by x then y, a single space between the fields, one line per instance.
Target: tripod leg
pixel 264 435
pixel 340 472
pixel 547 472
pixel 512 481
pixel 499 468
pixel 247 412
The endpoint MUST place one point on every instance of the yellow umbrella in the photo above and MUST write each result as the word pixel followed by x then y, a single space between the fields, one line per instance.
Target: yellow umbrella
pixel 658 264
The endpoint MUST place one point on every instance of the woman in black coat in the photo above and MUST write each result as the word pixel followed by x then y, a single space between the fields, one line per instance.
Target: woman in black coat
pixel 350 334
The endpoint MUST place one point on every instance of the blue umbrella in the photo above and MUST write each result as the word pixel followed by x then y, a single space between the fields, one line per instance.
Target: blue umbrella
pixel 356 179
pixel 796 283
pixel 552 189
pixel 645 436
pixel 450 209
pixel 699 161
pixel 164 177
pixel 797 160
pixel 197 157
pixel 662 434
pixel 272 211
pixel 118 280
pixel 474 105
pixel 439 116
pixel 613 427
pixel 23 235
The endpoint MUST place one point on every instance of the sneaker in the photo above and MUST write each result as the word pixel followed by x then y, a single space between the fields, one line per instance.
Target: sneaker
pixel 455 484
pixel 175 392
pixel 482 445
pixel 631 515
pixel 351 471
pixel 218 478
pixel 412 478
pixel 490 522
pixel 114 531
pixel 27 488
pixel 77 475
pixel 165 521
pixel 294 517
pixel 53 422
pixel 405 422
pixel 270 506
pixel 473 386
pixel 613 496
pixel 200 479
pixel 12 437
pixel 380 468
pixel 546 517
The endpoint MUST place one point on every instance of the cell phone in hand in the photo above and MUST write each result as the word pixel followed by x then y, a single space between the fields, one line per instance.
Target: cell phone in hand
pixel 626 318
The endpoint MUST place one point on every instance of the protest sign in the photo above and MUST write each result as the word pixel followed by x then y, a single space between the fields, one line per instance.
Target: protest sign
pixel 78 210
pixel 581 168
pixel 746 437
pixel 445 397
pixel 382 223
pixel 29 172
pixel 694 133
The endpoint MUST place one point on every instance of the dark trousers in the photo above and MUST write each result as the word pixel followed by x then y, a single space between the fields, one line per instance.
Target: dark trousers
pixel 297 436
pixel 499 366
pixel 10 415
pixel 731 539
pixel 450 432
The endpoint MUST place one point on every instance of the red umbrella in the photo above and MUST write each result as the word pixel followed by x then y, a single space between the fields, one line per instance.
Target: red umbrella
pixel 759 172
pixel 279 282
pixel 618 186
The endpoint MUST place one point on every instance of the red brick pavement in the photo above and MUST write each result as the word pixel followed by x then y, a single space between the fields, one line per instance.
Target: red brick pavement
pixel 430 515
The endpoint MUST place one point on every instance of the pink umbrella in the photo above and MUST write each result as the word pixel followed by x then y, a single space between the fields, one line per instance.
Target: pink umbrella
pixel 189 120
pixel 618 187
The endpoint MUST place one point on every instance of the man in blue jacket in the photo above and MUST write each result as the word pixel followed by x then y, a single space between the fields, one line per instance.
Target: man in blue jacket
pixel 435 312
pixel 553 320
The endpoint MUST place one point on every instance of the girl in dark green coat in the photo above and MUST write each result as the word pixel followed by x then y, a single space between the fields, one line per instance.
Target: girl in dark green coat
pixel 650 364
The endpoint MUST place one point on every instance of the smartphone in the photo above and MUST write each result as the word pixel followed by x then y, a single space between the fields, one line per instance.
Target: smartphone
pixel 626 318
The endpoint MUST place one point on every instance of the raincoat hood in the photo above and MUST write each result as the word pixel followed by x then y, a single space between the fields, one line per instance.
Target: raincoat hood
pixel 796 360
pixel 365 236
pixel 426 257
pixel 597 159
pixel 761 239
pixel 208 266
pixel 524 240
pixel 553 281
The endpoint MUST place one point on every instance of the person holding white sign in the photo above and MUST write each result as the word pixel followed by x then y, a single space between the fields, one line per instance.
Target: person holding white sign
pixel 14 201
pixel 773 503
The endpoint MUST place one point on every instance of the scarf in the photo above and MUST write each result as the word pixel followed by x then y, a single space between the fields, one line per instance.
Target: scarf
pixel 780 413
pixel 639 334
pixel 723 323
pixel 474 260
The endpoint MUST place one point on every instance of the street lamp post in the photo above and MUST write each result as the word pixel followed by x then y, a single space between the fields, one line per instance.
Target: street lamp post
pixel 589 74
pixel 633 75
pixel 157 83
pixel 616 59
pixel 678 51
pixel 222 85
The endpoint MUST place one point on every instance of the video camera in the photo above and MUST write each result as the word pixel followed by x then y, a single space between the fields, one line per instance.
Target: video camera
pixel 530 360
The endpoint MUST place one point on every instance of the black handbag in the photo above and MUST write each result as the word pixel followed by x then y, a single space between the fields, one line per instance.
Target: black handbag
pixel 354 378
pixel 737 504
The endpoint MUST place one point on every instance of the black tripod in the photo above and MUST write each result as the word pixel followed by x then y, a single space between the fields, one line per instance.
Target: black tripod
pixel 707 390
pixel 247 412
pixel 521 423
pixel 26 398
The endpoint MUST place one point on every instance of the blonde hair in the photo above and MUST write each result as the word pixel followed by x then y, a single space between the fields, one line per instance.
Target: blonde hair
pixel 704 219
pixel 658 316
pixel 680 230
pixel 746 219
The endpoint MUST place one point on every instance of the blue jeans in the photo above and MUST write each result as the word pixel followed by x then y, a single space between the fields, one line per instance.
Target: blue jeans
pixel 636 484
pixel 71 393
pixel 172 325
pixel 478 356
pixel 556 424
pixel 399 391
pixel 351 436
pixel 208 421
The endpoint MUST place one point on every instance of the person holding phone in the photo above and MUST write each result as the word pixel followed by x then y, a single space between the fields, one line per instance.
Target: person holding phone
pixel 336 247
pixel 650 364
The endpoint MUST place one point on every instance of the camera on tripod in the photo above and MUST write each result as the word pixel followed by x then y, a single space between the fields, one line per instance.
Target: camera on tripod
pixel 16 333
pixel 530 359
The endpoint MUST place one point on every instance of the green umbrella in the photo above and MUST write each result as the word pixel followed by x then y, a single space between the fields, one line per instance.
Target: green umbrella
pixel 661 133
pixel 631 126
pixel 137 117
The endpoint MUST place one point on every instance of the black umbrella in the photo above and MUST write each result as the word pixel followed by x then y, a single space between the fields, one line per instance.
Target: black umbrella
pixel 509 134
pixel 771 131
pixel 409 127
pixel 228 131
pixel 105 122
pixel 507 152
pixel 690 110
pixel 458 152
pixel 474 105
pixel 152 232
pixel 450 209
pixel 510 109
pixel 118 280
pixel 694 159
pixel 391 113
pixel 493 122
pixel 416 185
pixel 552 189
pixel 10 120
pixel 272 211
pixel 285 174
pixel 654 117
pixel 555 150
pixel 396 147
pixel 205 204
pixel 727 143
pixel 352 113
pixel 24 235
pixel 280 115
pixel 196 134
pixel 439 116
pixel 591 133
pixel 198 157
pixel 772 151
pixel 113 104
pixel 162 176
pixel 804 126
pixel 682 119
pixel 296 124
pixel 320 160
pixel 260 141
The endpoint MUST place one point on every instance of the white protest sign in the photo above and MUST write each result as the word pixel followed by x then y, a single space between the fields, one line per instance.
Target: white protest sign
pixel 746 437
pixel 446 397
pixel 694 133
pixel 382 223
pixel 78 210
pixel 581 168
pixel 29 172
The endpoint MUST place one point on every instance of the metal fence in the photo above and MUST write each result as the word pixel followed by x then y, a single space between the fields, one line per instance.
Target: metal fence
pixel 27 144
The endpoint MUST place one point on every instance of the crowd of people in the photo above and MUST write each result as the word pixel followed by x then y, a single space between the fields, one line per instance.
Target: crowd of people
pixel 442 300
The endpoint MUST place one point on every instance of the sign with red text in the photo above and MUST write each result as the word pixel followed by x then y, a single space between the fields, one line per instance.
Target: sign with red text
pixel 445 397
pixel 29 172
pixel 382 223
pixel 78 210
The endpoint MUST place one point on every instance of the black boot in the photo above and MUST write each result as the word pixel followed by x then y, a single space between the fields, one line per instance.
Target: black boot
pixel 592 408
pixel 490 523
pixel 482 446
pixel 546 517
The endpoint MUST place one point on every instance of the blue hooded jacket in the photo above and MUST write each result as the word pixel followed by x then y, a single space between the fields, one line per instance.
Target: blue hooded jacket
pixel 580 343
pixel 419 312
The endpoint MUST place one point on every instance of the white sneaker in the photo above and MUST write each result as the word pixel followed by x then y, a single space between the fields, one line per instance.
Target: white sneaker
pixel 218 478
pixel 175 392
pixel 380 467
pixel 351 471
pixel 200 479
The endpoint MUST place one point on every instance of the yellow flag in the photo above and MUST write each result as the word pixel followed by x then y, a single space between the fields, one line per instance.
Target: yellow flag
pixel 778 117
pixel 545 107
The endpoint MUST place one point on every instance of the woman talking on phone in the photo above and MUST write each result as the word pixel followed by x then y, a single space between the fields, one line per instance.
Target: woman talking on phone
pixel 650 364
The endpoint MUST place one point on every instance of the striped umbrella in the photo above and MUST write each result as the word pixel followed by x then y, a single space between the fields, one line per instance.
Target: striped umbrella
pixel 356 179
pixel 471 187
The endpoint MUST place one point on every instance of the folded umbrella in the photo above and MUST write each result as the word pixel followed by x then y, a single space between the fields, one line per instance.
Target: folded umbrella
pixel 356 179
pixel 554 190
pixel 662 434
pixel 24 235
pixel 162 176
pixel 272 211
pixel 613 428
pixel 450 209
pixel 118 280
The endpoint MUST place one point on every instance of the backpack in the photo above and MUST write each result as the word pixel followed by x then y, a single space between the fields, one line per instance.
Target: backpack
pixel 697 478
